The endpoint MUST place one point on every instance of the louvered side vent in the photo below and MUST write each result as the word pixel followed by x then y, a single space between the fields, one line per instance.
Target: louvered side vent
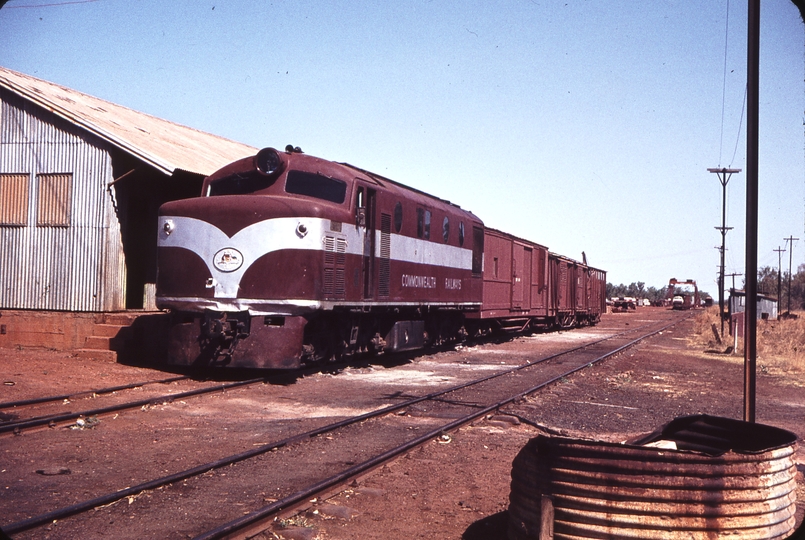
pixel 385 255
pixel 329 265
pixel 335 258
pixel 340 263
pixel 329 250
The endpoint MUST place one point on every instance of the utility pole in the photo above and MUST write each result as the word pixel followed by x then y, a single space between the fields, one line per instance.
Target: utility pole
pixel 724 175
pixel 790 258
pixel 750 275
pixel 780 252
pixel 733 278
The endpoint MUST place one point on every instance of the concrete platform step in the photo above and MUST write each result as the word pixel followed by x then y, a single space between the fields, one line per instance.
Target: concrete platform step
pixel 97 354
pixel 118 318
pixel 69 331
pixel 111 330
pixel 98 342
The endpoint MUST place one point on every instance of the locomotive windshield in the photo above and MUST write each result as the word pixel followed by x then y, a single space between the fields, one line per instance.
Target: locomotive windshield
pixel 297 183
pixel 316 185
pixel 240 184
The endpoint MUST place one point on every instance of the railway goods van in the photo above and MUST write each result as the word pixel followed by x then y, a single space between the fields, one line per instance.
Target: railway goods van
pixel 287 259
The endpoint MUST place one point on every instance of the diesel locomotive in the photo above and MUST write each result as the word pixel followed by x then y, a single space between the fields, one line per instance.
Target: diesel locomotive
pixel 287 259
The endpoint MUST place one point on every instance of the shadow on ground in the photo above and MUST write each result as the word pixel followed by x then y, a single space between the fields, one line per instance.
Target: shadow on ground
pixel 493 527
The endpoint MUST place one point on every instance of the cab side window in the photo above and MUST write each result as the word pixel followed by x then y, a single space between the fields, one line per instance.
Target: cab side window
pixel 360 208
pixel 423 223
pixel 398 217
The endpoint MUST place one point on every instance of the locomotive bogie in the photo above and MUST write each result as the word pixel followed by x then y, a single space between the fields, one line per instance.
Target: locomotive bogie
pixel 235 339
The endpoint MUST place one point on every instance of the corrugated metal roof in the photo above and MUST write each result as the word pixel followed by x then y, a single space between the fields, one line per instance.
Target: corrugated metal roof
pixel 163 144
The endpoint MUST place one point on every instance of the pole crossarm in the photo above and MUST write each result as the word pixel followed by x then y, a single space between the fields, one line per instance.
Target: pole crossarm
pixel 724 174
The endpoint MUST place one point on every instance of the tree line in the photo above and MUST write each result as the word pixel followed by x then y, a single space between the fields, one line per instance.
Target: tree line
pixel 639 290
pixel 767 284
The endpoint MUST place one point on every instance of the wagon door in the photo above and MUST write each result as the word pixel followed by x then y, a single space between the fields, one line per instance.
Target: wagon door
pixel 517 281
pixel 521 277
pixel 539 277
pixel 526 275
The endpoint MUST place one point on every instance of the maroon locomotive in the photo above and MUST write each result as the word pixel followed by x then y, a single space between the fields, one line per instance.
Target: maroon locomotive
pixel 287 259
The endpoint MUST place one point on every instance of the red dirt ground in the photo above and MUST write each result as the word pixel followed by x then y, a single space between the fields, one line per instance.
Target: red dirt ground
pixel 444 489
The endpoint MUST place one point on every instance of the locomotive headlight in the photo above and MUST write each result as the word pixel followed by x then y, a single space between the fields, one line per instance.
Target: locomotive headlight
pixel 301 230
pixel 268 161
pixel 168 227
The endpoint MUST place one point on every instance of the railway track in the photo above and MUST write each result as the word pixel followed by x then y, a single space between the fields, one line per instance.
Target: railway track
pixel 52 420
pixel 411 421
pixel 93 392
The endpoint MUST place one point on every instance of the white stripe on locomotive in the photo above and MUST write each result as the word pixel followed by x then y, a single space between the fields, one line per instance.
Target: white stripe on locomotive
pixel 263 237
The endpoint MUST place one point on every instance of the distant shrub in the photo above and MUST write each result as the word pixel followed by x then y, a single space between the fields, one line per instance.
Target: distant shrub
pixel 780 343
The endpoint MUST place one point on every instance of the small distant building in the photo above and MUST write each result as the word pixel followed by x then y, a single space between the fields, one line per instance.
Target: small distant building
pixel 81 180
pixel 766 305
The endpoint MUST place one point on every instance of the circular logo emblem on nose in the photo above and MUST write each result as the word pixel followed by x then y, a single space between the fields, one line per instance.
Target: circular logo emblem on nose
pixel 228 260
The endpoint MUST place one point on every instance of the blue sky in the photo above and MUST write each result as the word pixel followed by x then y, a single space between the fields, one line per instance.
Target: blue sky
pixel 582 125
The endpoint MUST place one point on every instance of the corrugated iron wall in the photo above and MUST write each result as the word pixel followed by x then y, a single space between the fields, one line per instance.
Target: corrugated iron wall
pixel 74 267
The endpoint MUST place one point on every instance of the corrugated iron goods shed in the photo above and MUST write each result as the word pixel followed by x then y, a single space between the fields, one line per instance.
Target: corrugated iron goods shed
pixel 766 305
pixel 81 180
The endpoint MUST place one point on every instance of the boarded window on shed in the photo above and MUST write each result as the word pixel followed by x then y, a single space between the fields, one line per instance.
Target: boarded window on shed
pixel 54 199
pixel 14 199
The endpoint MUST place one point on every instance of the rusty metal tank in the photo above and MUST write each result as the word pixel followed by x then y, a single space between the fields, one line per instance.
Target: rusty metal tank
pixel 699 477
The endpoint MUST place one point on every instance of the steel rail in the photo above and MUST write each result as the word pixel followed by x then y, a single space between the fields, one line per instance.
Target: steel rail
pixel 350 473
pixel 42 519
pixel 16 427
pixel 99 391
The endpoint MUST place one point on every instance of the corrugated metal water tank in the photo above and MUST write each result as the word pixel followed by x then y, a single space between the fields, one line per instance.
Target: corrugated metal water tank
pixel 699 477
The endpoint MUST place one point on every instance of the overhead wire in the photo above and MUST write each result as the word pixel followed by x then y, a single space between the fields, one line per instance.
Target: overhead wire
pixel 729 260
pixel 724 83
pixel 740 125
pixel 52 4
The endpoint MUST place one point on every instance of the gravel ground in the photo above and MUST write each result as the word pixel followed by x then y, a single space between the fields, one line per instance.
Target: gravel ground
pixel 449 488
pixel 461 489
